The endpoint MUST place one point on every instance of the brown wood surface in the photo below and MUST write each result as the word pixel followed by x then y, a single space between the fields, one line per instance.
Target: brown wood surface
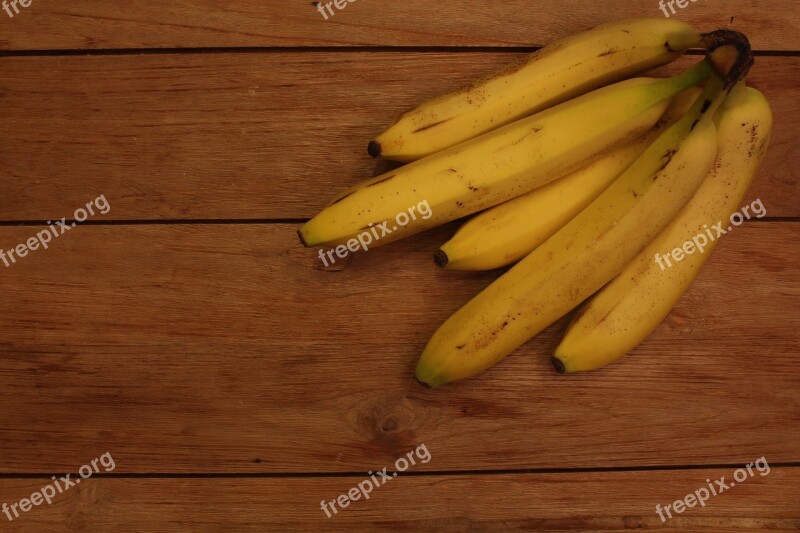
pixel 227 348
pixel 98 24
pixel 567 502
pixel 254 136
pixel 237 382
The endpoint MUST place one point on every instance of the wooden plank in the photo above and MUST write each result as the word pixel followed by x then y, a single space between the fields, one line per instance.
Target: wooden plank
pixel 95 24
pixel 252 136
pixel 224 348
pixel 596 501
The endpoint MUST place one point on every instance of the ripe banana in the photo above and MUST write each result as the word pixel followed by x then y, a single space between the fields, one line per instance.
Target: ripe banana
pixel 508 232
pixel 552 75
pixel 581 257
pixel 501 164
pixel 630 307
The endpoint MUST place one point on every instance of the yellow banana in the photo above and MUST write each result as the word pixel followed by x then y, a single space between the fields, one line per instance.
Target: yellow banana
pixel 556 73
pixel 508 232
pixel 630 307
pixel 501 164
pixel 581 257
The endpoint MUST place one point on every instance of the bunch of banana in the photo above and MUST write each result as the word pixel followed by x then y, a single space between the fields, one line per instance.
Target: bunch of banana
pixel 579 187
pixel 582 256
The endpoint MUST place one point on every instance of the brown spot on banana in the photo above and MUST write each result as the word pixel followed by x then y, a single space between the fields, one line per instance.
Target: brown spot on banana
pixel 535 129
pixel 340 199
pixel 380 181
pixel 667 157
pixel 429 126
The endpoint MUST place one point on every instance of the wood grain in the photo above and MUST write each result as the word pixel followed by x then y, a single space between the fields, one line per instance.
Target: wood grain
pixel 599 501
pixel 97 24
pixel 225 348
pixel 253 136
pixel 238 383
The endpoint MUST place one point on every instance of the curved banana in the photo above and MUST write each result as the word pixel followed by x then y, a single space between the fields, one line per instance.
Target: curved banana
pixel 581 257
pixel 508 232
pixel 560 71
pixel 501 164
pixel 630 307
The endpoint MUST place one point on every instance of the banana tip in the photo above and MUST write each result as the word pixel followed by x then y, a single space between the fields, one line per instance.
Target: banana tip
pixel 558 364
pixel 374 148
pixel 422 383
pixel 302 239
pixel 440 258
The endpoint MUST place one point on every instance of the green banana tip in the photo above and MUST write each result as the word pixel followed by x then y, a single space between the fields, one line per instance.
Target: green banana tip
pixel 422 383
pixel 374 148
pixel 428 377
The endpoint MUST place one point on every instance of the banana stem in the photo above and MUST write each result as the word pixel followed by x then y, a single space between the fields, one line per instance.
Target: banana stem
pixel 694 75
pixel 691 77
pixel 714 93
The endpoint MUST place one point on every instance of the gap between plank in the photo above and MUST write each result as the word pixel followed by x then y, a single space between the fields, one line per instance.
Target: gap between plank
pixel 311 49
pixel 501 472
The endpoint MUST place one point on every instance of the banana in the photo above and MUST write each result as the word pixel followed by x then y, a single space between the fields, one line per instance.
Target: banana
pixel 508 232
pixel 581 257
pixel 501 164
pixel 630 307
pixel 552 75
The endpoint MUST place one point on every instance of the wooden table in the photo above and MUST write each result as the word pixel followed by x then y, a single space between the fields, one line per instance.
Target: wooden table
pixel 186 335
